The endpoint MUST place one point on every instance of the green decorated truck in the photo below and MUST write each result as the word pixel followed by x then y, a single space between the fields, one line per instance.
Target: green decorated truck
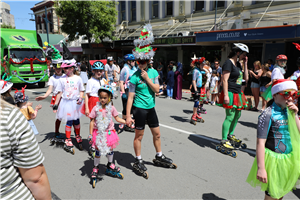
pixel 22 59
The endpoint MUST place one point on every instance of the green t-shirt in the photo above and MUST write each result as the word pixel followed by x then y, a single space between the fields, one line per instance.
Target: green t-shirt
pixel 144 96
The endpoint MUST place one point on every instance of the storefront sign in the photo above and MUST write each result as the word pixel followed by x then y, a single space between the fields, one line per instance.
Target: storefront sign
pixel 175 40
pixel 123 43
pixel 248 34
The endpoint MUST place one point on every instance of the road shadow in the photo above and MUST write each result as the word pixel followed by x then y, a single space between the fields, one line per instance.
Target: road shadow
pixel 48 136
pixel 297 193
pixel 126 159
pixel 207 143
pixel 248 124
pixel 181 119
pixel 211 196
pixel 87 169
pixel 188 111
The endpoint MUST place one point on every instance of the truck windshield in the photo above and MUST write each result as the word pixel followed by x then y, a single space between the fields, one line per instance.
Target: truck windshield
pixel 18 55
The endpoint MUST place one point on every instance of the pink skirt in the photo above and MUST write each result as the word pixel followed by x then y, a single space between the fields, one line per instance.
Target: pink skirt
pixel 112 138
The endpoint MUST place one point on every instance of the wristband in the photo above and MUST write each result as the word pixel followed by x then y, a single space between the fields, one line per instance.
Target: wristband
pixel 36 110
pixel 55 107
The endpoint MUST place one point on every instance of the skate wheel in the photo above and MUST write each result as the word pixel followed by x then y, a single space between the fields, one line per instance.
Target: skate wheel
pixel 94 183
pixel 243 146
pixel 72 151
pixel 218 148
pixel 146 175
pixel 202 120
pixel 228 152
pixel 80 147
pixel 234 154
pixel 174 166
pixel 120 175
pixel 52 142
pixel 223 150
pixel 205 112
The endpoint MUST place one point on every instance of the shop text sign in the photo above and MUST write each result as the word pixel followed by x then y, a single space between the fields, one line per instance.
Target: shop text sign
pixel 248 34
pixel 175 40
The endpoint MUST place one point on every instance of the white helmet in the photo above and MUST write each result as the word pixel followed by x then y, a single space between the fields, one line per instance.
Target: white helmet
pixel 242 47
pixel 110 58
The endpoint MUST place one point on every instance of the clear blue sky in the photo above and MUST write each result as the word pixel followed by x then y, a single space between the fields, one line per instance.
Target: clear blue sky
pixel 20 10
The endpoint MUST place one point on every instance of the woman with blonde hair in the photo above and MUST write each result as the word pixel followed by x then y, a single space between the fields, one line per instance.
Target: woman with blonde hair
pixel 265 82
pixel 255 75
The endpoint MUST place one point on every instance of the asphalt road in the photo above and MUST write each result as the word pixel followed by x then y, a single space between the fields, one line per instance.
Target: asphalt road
pixel 202 173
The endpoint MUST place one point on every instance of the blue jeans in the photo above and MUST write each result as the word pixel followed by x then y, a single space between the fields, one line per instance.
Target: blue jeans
pixel 170 91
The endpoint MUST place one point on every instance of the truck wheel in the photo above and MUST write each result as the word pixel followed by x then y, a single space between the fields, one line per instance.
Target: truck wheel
pixel 41 84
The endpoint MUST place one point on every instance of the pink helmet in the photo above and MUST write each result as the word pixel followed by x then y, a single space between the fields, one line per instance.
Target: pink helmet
pixel 68 63
pixel 281 57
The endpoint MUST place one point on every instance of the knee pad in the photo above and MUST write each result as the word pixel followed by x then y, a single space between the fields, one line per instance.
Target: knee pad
pixel 196 104
pixel 76 122
pixel 97 153
pixel 69 123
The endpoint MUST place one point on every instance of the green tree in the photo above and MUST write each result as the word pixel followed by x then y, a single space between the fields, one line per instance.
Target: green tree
pixel 7 26
pixel 94 19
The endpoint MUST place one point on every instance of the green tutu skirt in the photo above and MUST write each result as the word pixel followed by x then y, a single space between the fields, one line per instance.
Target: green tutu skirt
pixel 267 95
pixel 283 170
pixel 237 101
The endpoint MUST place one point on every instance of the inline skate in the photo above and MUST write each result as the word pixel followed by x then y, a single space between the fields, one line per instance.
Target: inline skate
pixel 164 162
pixel 92 149
pixel 193 119
pixel 94 176
pixel 124 127
pixel 236 142
pixel 201 110
pixel 139 168
pixel 79 141
pixel 113 170
pixel 225 147
pixel 57 139
pixel 69 146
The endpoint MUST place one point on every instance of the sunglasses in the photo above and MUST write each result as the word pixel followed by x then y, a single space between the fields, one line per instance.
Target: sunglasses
pixel 141 62
pixel 291 94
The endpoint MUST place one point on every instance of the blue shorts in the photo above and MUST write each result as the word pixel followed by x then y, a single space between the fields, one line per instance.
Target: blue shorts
pixel 262 88
pixel 254 85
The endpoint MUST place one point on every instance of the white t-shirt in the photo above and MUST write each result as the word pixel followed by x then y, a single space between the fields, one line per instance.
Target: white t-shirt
pixel 110 70
pixel 93 85
pixel 54 81
pixel 214 81
pixel 70 87
pixel 276 74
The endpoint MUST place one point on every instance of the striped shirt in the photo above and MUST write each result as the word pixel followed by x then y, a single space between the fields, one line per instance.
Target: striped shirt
pixel 19 149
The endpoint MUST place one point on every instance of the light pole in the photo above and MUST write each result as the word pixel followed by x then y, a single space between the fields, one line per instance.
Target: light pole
pixel 47 21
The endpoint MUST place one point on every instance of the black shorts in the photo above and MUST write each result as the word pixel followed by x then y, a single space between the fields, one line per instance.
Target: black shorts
pixel 141 115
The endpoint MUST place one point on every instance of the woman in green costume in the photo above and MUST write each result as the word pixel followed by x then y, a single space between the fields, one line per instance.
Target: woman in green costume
pixel 232 98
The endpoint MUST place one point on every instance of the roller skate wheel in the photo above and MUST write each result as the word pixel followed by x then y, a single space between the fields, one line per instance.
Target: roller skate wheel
pixel 80 147
pixel 120 175
pixel 174 166
pixel 218 148
pixel 243 146
pixel 205 112
pixel 223 150
pixel 146 175
pixel 202 120
pixel 52 142
pixel 94 183
pixel 234 154
pixel 237 145
pixel 72 151
pixel 228 152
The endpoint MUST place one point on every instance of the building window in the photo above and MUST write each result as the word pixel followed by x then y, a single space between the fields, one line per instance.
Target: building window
pixel 123 10
pixel 142 10
pixel 181 8
pixel 220 4
pixel 199 6
pixel 155 9
pixel 133 10
pixel 169 8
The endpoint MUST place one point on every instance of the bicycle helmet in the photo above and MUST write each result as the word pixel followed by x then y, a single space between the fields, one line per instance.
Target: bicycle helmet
pixel 68 63
pixel 107 88
pixel 98 65
pixel 110 59
pixel 281 57
pixel 129 57
pixel 242 47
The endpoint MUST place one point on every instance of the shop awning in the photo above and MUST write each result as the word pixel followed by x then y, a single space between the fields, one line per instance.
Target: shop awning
pixel 71 49
pixel 261 33
pixel 53 38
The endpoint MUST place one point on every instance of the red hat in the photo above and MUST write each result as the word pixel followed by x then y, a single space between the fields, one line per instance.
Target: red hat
pixel 281 57
pixel 283 84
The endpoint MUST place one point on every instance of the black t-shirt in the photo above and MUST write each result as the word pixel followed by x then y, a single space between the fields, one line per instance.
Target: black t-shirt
pixel 235 78
pixel 83 68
